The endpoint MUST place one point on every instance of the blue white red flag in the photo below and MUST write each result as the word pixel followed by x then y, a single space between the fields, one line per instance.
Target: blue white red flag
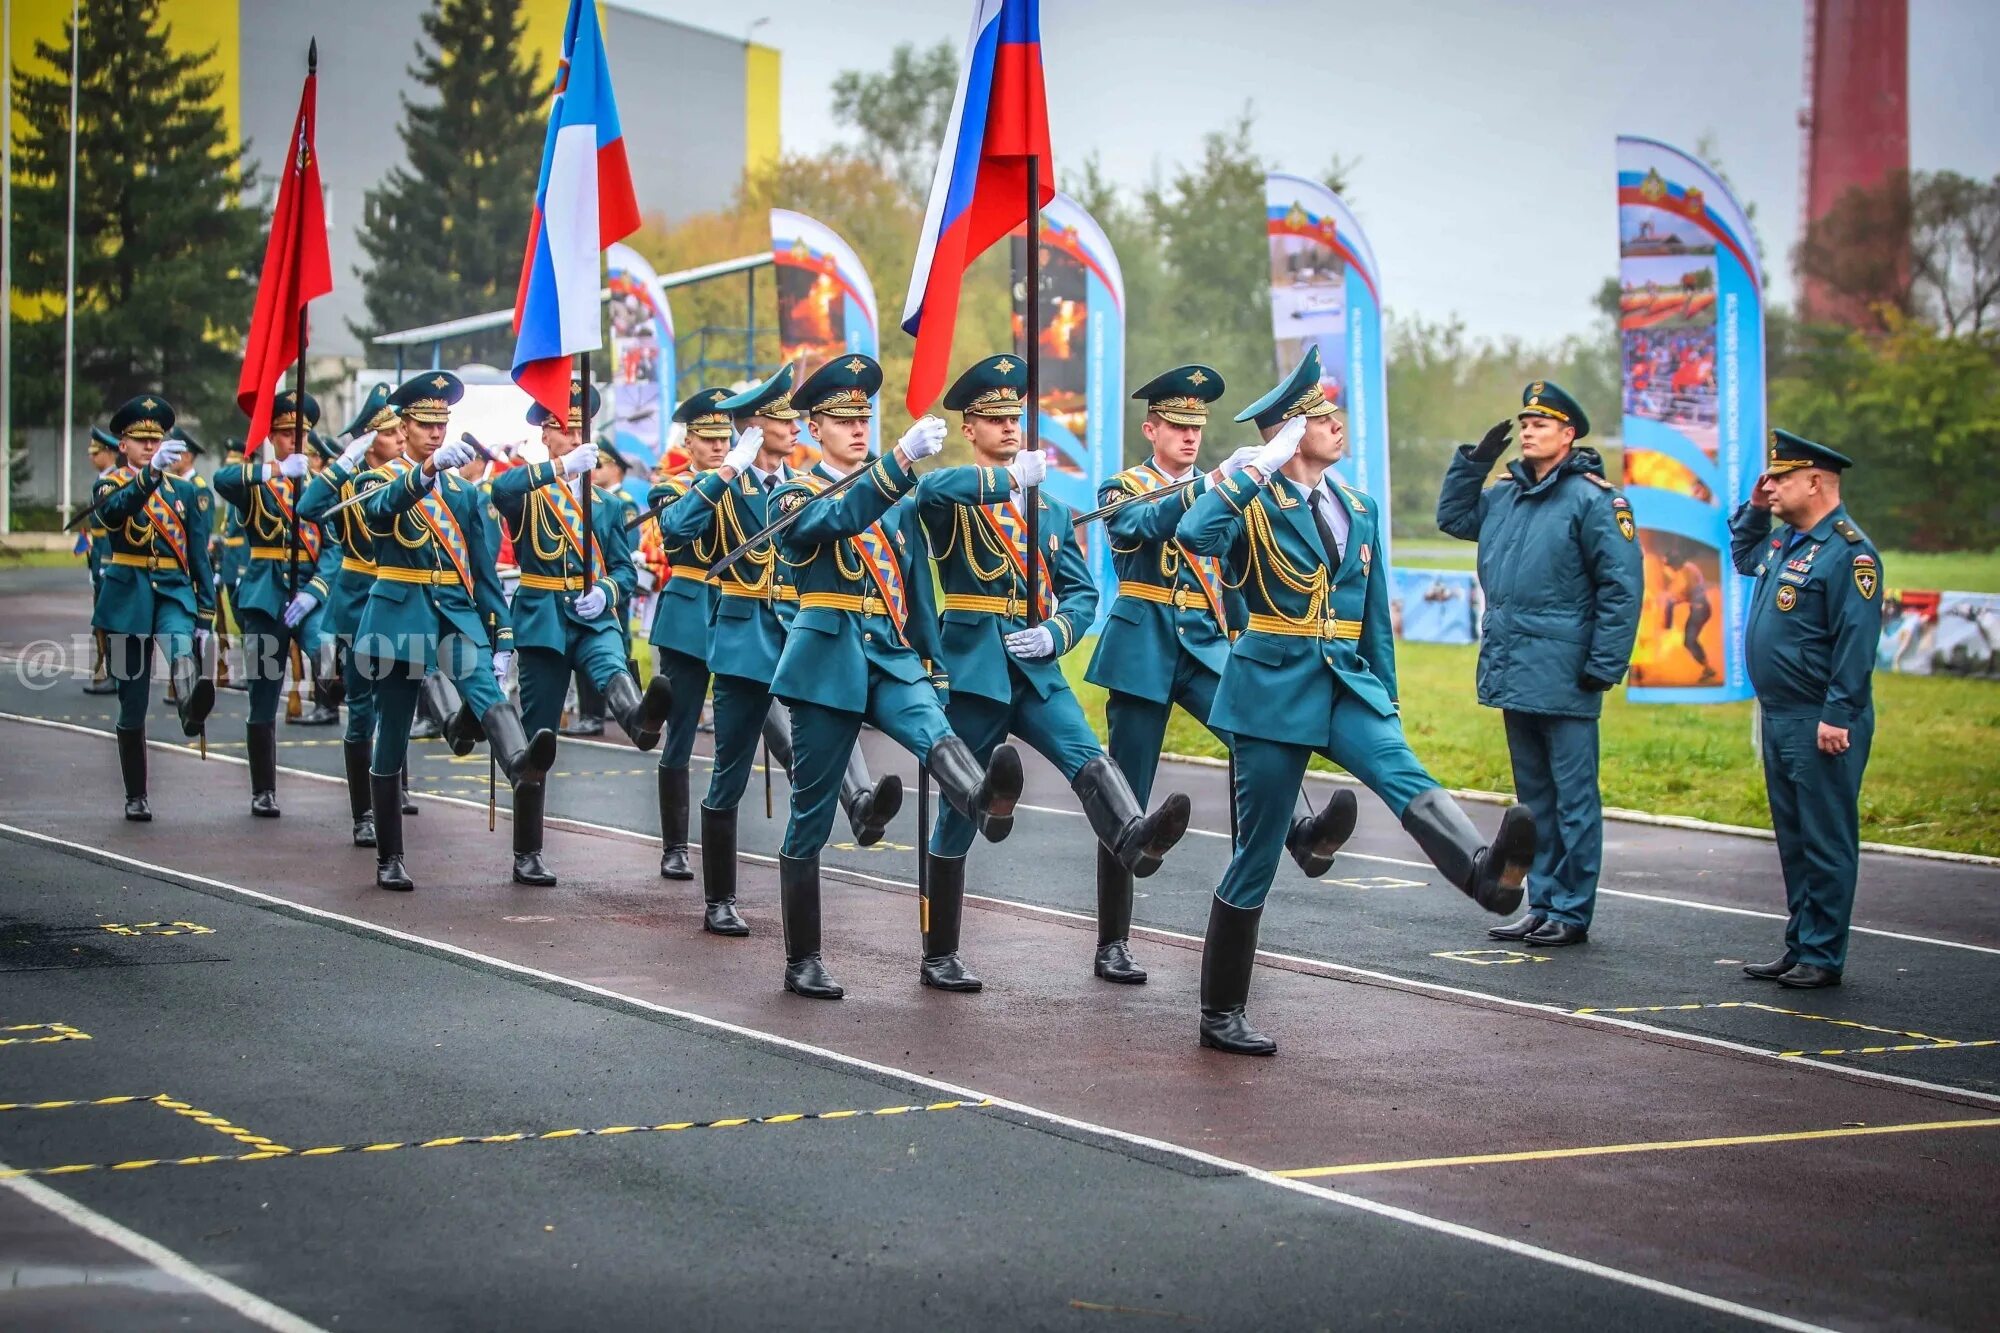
pixel 583 203
pixel 999 119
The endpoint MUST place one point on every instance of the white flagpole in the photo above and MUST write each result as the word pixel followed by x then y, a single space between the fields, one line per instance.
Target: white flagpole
pixel 6 267
pixel 69 271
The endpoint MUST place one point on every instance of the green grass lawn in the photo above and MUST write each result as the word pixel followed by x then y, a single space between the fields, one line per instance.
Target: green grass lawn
pixel 1933 776
pixel 11 559
pixel 1934 571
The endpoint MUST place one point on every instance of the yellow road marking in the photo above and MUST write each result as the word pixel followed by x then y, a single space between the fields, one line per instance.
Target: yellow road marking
pixel 219 1125
pixel 57 1106
pixel 1919 1041
pixel 158 928
pixel 56 1031
pixel 1614 1149
pixel 1490 957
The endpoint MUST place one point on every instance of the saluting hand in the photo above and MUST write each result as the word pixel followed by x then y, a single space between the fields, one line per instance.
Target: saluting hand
pixel 1832 740
pixel 744 452
pixel 1281 448
pixel 1494 443
pixel 167 455
pixel 350 457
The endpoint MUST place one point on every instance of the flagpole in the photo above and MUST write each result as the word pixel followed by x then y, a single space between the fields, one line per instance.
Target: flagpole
pixel 1032 323
pixel 299 388
pixel 69 262
pixel 6 268
pixel 590 480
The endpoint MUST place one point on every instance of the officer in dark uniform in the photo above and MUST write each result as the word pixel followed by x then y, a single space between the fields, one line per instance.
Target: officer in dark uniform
pixel 96 542
pixel 1815 621
pixel 232 553
pixel 1560 567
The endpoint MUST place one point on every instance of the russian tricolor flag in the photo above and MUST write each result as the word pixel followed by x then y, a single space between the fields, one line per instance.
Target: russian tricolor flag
pixel 999 119
pixel 583 203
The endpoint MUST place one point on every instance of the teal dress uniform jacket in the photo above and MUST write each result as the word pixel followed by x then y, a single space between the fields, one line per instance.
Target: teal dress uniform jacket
pixel 685 605
pixel 261 496
pixel 353 546
pixel 1161 609
pixel 745 635
pixel 159 597
pixel 417 589
pixel 544 550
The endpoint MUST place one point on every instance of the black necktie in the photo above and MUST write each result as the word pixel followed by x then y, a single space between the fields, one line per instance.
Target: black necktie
pixel 1326 537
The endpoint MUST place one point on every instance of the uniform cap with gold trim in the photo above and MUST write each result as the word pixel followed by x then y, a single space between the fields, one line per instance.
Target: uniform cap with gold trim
pixel 995 387
pixel 703 415
pixel 1791 452
pixel 539 415
pixel 1297 395
pixel 428 397
pixel 373 414
pixel 842 387
pixel 1546 398
pixel 772 398
pixel 1182 395
pixel 285 411
pixel 147 417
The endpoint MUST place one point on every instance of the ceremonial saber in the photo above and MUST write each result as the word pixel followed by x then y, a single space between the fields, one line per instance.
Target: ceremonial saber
pixel 381 486
pixel 783 521
pixel 1106 511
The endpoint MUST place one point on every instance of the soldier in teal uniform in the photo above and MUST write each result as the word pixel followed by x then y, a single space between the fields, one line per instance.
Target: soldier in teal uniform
pixel 865 647
pixel 1314 672
pixel 1167 637
pixel 278 595
pixel 1815 621
pixel 436 604
pixel 232 546
pixel 1560 568
pixel 1004 663
pixel 563 622
pixel 95 542
pixel 157 591
pixel 323 656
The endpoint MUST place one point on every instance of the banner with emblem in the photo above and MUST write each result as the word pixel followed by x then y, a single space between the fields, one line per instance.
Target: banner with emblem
pixel 643 373
pixel 1326 291
pixel 1691 335
pixel 826 304
pixel 1083 363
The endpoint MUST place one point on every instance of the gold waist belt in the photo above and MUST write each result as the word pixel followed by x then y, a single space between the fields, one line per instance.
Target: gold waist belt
pixel 354 565
pixel 1180 597
pixel 867 604
pixel 553 582
pixel 434 577
pixel 148 562
pixel 696 573
pixel 1309 629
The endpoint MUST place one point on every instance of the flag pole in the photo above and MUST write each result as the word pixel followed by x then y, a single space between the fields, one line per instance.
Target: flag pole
pixel 1031 322
pixel 299 385
pixel 589 482
pixel 69 267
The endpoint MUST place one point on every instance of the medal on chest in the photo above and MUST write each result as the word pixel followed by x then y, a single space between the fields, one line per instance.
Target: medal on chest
pixel 1788 597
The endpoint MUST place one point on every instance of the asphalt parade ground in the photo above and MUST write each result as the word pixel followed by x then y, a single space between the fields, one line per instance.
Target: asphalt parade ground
pixel 240 1087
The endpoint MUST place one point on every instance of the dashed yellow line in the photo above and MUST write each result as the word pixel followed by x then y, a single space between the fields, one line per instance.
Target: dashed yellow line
pixel 56 1031
pixel 157 928
pixel 92 1101
pixel 219 1125
pixel 1918 1041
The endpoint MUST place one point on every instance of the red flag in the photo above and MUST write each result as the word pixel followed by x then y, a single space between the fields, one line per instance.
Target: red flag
pixel 296 269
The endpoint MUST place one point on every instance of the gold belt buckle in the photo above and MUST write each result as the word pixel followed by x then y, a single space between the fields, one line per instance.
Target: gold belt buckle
pixel 1180 598
pixel 871 605
pixel 1015 606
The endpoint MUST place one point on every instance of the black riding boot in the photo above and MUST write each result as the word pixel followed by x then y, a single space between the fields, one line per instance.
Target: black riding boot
pixel 984 796
pixel 462 731
pixel 528 867
pixel 525 761
pixel 360 799
pixel 262 739
pixel 1315 838
pixel 588 720
pixel 1490 874
pixel 132 765
pixel 798 895
pixel 718 872
pixel 869 806
pixel 196 692
pixel 1114 921
pixel 409 801
pixel 389 872
pixel 1139 840
pixel 437 703
pixel 674 824
pixel 641 716
pixel 1227 957
pixel 941 967
pixel 329 683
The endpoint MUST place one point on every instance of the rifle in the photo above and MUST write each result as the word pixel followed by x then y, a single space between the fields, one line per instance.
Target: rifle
pixel 1106 511
pixel 783 521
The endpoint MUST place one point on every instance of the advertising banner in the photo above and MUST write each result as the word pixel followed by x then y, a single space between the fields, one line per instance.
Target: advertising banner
pixel 1083 363
pixel 1691 333
pixel 642 359
pixel 1325 291
pixel 826 305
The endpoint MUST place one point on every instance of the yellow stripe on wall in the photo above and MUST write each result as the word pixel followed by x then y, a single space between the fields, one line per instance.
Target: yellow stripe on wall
pixel 761 85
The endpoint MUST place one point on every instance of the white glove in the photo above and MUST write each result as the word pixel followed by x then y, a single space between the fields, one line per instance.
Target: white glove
pixel 167 454
pixel 503 662
pixel 448 456
pixel 923 439
pixel 1284 446
pixel 590 603
pixel 299 608
pixel 350 457
pixel 1239 460
pixel 580 460
pixel 292 466
pixel 744 452
pixel 1028 468
pixel 1032 643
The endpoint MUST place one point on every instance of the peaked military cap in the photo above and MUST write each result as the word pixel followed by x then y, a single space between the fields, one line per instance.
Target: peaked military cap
pixel 231 446
pixel 1182 395
pixel 539 415
pixel 1546 398
pixel 101 438
pixel 428 397
pixel 772 398
pixel 373 414
pixel 1297 395
pixel 995 387
pixel 1791 452
pixel 322 446
pixel 703 415
pixel 841 387
pixel 608 454
pixel 285 411
pixel 147 417
pixel 194 446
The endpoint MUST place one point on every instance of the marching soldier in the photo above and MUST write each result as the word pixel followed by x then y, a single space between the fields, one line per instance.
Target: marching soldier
pixel 1559 564
pixel 156 589
pixel 279 593
pixel 561 622
pixel 1167 638
pixel 436 603
pixel 233 547
pixel 1314 671
pixel 1815 619
pixel 1005 677
pixel 323 658
pixel 96 542
pixel 609 479
pixel 864 647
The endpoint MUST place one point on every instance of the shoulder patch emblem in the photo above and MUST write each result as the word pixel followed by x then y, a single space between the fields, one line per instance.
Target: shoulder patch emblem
pixel 1866 579
pixel 201 501
pixel 1625 524
pixel 1788 597
pixel 1598 481
pixel 790 500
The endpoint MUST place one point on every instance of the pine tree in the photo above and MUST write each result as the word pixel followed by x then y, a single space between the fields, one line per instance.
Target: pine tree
pixel 165 250
pixel 446 233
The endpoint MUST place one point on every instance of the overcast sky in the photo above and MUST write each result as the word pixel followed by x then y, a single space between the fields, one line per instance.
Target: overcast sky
pixel 1482 131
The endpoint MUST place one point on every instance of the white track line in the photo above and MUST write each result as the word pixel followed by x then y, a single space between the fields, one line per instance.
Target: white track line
pixel 1422 1220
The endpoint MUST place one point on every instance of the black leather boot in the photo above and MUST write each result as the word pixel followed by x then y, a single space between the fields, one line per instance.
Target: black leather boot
pixel 641 716
pixel 262 740
pixel 525 760
pixel 941 967
pixel 798 896
pixel 197 695
pixel 985 796
pixel 360 799
pixel 438 701
pixel 674 824
pixel 462 731
pixel 1114 921
pixel 132 766
pixel 718 873
pixel 329 684
pixel 409 801
pixel 1517 930
pixel 528 867
pixel 1315 838
pixel 100 681
pixel 1490 874
pixel 1228 956
pixel 424 725
pixel 869 806
pixel 1139 840
pixel 588 720
pixel 389 872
